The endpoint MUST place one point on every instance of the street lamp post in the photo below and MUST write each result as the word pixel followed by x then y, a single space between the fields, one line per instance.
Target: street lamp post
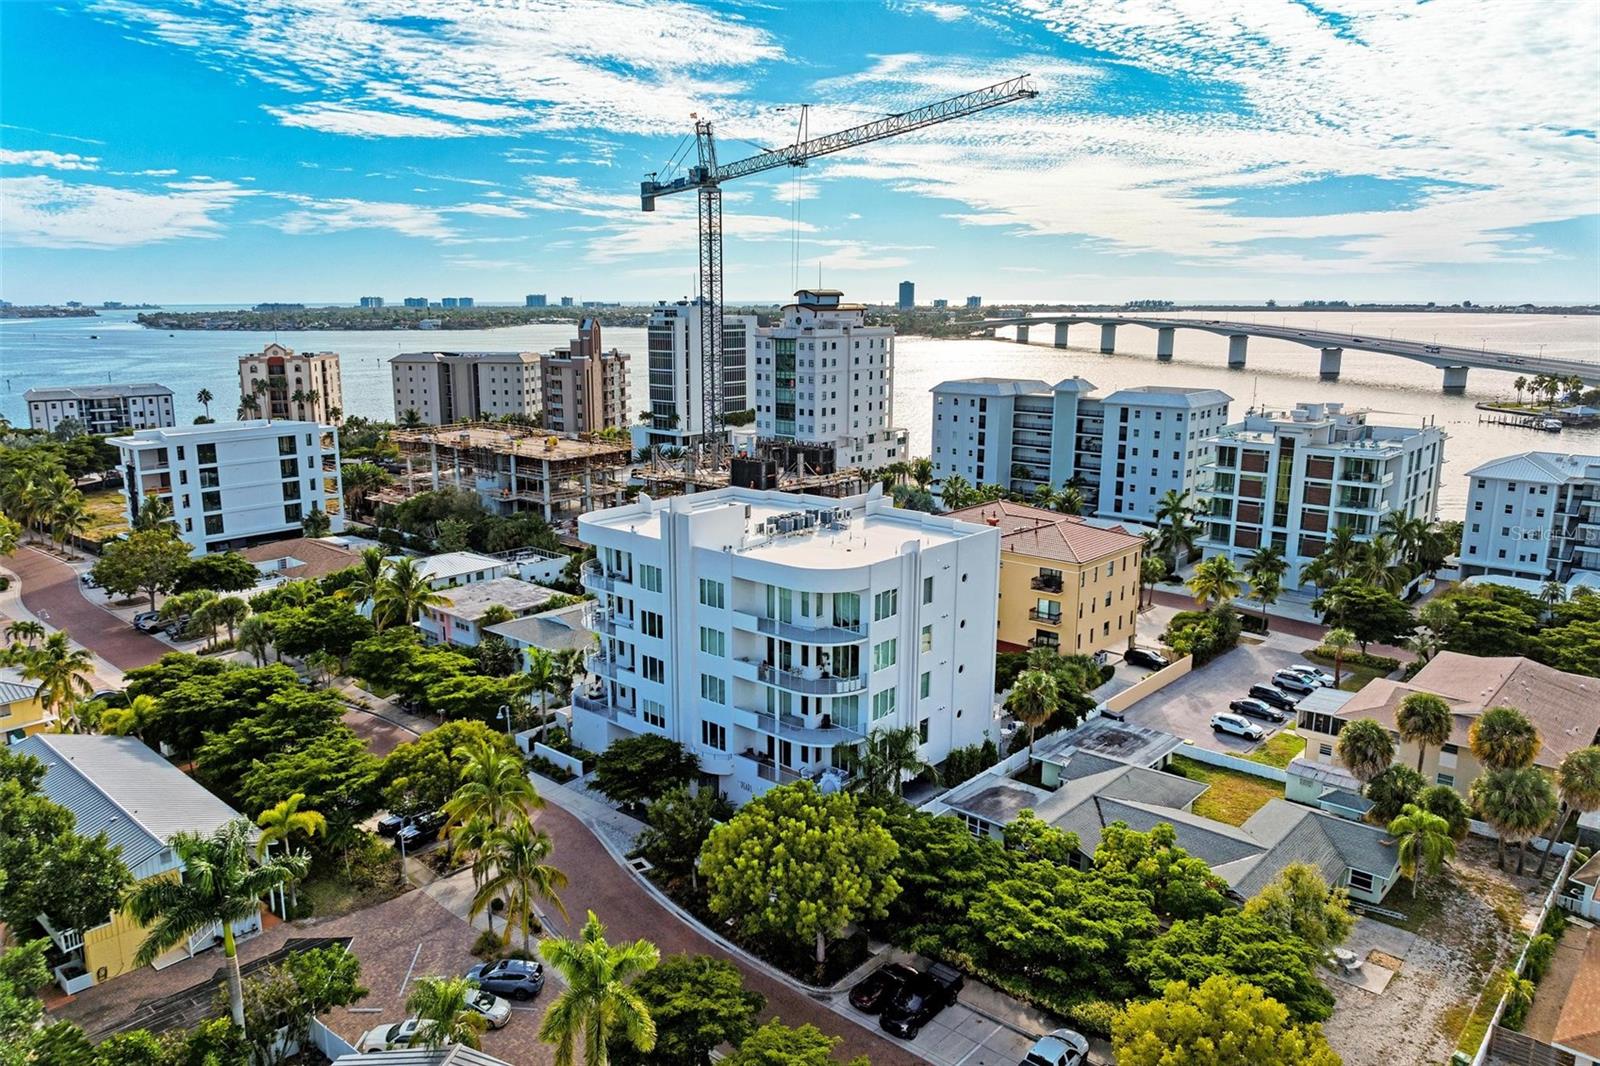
pixel 505 712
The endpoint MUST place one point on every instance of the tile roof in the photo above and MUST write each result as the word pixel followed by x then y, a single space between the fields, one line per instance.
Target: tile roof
pixel 308 558
pixel 1565 707
pixel 118 786
pixel 1043 534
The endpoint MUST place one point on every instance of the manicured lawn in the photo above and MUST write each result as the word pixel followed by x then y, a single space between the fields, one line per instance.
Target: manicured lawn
pixel 1279 749
pixel 107 517
pixel 1233 796
pixel 1352 676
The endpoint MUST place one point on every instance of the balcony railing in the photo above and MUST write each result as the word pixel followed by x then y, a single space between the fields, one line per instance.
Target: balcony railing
pixel 1045 642
pixel 607 666
pixel 604 620
pixel 1046 583
pixel 822 634
pixel 1049 618
pixel 597 579
pixel 820 685
pixel 826 733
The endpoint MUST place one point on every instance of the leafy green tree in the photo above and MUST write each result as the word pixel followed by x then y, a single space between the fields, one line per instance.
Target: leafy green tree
pixel 1422 719
pixel 1578 785
pixel 1372 615
pixel 385 657
pixel 1299 901
pixel 1365 748
pixel 776 1044
pixel 1517 803
pixel 1447 803
pixel 1221 1022
pixel 1502 738
pixel 1182 886
pixel 799 866
pixel 328 624
pixel 219 885
pixel 211 697
pixel 218 572
pixel 1424 842
pixel 639 769
pixel 1203 634
pixel 285 720
pixel 679 824
pixel 337 773
pixel 1392 790
pixel 600 1006
pixel 1246 946
pixel 1031 836
pixel 284 997
pixel 471 696
pixel 149 561
pixel 422 774
pixel 698 1004
pixel 440 1003
pixel 1497 626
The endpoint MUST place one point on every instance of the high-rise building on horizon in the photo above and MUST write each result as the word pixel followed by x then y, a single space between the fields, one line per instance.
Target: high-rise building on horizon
pixel 416 301
pixel 279 383
pixel 566 301
pixel 676 398
pixel 372 301
pixel 974 302
pixel 536 299
pixel 824 386
pixel 908 296
pixel 583 387
pixel 446 387
pixel 101 409
pixel 772 633
pixel 1533 517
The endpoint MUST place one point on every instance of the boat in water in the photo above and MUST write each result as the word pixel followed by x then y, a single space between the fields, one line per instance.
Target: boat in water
pixel 1548 425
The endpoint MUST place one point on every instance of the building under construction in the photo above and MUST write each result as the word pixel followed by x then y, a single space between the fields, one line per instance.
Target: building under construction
pixel 512 468
pixel 769 467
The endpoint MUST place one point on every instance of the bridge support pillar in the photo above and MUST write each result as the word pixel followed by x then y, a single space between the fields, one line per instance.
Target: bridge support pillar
pixel 1455 380
pixel 1022 334
pixel 1236 346
pixel 1164 344
pixel 1108 338
pixel 1330 363
pixel 1061 334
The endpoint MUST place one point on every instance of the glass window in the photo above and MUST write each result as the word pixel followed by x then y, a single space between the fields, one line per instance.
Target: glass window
pixel 211 501
pixel 885 604
pixel 713 689
pixel 922 731
pixel 206 453
pixel 713 641
pixel 714 736
pixel 712 593
pixel 882 704
pixel 927 590
pixel 291 512
pixel 653 713
pixel 927 638
pixel 652 624
pixel 213 524
pixel 649 577
pixel 652 669
pixel 1360 881
pixel 286 445
pixel 925 684
pixel 846 609
pixel 883 654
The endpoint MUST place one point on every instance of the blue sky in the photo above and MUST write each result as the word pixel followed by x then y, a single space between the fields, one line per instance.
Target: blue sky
pixel 1193 150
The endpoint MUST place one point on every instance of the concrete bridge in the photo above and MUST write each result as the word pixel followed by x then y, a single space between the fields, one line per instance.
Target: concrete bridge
pixel 1453 360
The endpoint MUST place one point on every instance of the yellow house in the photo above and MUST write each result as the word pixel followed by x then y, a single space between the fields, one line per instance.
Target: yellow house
pixel 120 787
pixel 1065 582
pixel 22 712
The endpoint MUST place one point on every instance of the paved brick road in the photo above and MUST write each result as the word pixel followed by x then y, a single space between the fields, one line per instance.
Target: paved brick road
pixel 50 591
pixel 1295 626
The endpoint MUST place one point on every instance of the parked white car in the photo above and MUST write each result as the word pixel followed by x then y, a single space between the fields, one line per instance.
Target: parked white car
pixel 1236 725
pixel 388 1037
pixel 1064 1047
pixel 494 1009
pixel 1314 673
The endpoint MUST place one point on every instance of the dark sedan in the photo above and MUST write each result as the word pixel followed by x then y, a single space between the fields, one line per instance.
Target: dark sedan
pixel 1273 698
pixel 519 979
pixel 920 1001
pixel 1154 660
pixel 874 991
pixel 1257 709
pixel 423 829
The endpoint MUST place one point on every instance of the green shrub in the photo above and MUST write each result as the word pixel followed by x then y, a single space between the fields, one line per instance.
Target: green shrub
pixel 1541 949
pixel 1356 658
pixel 1092 1016
pixel 1203 634
pixel 1555 923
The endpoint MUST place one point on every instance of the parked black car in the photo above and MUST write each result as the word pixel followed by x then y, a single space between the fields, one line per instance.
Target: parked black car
pixel 390 824
pixel 1273 697
pixel 922 998
pixel 423 829
pixel 1257 709
pixel 874 991
pixel 519 979
pixel 1145 657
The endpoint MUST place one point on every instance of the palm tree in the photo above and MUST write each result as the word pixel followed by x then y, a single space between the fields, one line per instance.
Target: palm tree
pixel 10 534
pixel 285 819
pixel 517 853
pixel 1044 496
pixel 922 471
pixel 257 390
pixel 410 419
pixel 1578 784
pixel 1424 842
pixel 1520 384
pixel 69 519
pixel 405 593
pixel 1376 566
pixel 205 398
pixel 1152 568
pixel 310 399
pixel 255 637
pixel 1266 565
pixel 1033 699
pixel 62 672
pixel 955 492
pixel 442 1005
pixel 1338 641
pixel 1423 719
pixel 1503 739
pixel 368 582
pixel 494 615
pixel 1178 533
pixel 494 785
pixel 219 885
pixel 1552 593
pixel 1516 803
pixel 599 1004
pixel 1070 500
pixel 131 720
pixel 541 675
pixel 1366 749
pixel 1215 581
pixel 228 611
pixel 892 755
pixel 1343 552
pixel 27 632
pixel 154 512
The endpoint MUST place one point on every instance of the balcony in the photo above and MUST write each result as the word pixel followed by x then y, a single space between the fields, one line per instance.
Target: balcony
pixel 793 727
pixel 1052 642
pixel 716 763
pixel 1051 618
pixel 811 682
pixel 1046 583
pixel 608 666
pixel 805 634
pixel 604 620
pixel 767 770
pixel 597 580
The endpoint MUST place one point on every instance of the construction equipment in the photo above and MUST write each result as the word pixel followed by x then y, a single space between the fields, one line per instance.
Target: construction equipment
pixel 707 177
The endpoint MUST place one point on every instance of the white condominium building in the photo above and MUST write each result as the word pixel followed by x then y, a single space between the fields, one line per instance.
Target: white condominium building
pixel 1156 441
pixel 676 398
pixel 824 385
pixel 769 632
pixel 446 387
pixel 101 408
pixel 279 382
pixel 1018 433
pixel 1533 516
pixel 1290 478
pixel 233 484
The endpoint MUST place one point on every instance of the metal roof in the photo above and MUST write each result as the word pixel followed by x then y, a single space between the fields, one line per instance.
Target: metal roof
pixel 118 786
pixel 14 688
pixel 458 1055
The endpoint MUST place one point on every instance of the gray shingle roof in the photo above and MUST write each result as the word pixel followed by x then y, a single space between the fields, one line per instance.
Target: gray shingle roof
pixel 558 630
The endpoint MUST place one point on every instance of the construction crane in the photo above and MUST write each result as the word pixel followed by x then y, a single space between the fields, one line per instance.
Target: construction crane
pixel 707 177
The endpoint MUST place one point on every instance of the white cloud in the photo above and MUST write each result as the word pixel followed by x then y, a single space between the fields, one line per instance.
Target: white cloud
pixel 337 215
pixel 943 12
pixel 43 212
pixel 48 159
pixel 166 173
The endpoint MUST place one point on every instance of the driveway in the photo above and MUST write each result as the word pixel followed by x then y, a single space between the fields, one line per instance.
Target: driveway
pixel 51 592
pixel 1184 708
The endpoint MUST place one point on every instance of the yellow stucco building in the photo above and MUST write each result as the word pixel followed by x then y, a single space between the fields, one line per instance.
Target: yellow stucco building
pixel 1065 582
pixel 22 712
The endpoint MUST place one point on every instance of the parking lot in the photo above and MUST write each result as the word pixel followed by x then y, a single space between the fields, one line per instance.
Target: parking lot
pixel 1184 708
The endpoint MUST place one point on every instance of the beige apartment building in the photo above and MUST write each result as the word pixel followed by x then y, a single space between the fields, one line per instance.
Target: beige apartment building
pixel 447 387
pixel 1066 582
pixel 281 383
pixel 583 387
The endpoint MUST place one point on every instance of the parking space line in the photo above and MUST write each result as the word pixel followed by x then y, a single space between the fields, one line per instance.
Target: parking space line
pixel 979 1046
pixel 407 978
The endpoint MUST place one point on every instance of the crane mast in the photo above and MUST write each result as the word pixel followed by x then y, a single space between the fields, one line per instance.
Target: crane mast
pixel 707 176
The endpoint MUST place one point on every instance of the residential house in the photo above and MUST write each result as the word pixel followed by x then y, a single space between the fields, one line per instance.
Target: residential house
pixel 1562 1027
pixel 564 629
pixel 22 712
pixel 457 620
pixel 120 787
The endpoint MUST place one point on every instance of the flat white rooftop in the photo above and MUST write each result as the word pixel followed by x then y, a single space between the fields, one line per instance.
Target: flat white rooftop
pixel 449 565
pixel 217 430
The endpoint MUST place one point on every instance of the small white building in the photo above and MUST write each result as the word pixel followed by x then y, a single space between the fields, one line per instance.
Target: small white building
pixel 446 387
pixel 676 365
pixel 1534 516
pixel 824 385
pixel 450 569
pixel 459 619
pixel 233 484
pixel 101 408
pixel 770 632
